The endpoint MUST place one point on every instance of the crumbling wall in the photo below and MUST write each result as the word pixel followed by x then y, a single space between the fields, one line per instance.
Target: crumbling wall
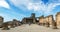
pixel 58 18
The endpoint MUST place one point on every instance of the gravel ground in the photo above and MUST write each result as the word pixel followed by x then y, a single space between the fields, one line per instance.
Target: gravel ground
pixel 31 28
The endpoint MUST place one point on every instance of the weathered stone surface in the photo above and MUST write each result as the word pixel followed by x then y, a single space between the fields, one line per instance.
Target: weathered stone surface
pixel 29 20
pixel 5 26
pixel 16 22
pixel 47 24
pixel 58 18
pixel 54 25
pixel 41 20
pixel 1 21
pixel 49 19
pixel 46 20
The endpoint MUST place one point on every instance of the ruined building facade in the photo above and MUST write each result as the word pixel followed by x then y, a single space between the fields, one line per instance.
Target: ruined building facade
pixel 31 19
pixel 41 19
pixel 58 18
pixel 48 19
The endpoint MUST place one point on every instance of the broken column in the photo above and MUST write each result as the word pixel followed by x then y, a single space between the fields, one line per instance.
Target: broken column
pixel 33 16
pixel 1 21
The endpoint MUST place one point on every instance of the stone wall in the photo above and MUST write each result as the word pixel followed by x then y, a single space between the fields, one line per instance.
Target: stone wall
pixel 58 18
pixel 30 19
pixel 41 20
pixel 46 19
pixel 50 19
pixel 1 20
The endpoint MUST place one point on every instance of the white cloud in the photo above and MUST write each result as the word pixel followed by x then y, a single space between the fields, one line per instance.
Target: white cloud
pixel 46 8
pixel 38 6
pixel 4 4
pixel 21 4
pixel 1 0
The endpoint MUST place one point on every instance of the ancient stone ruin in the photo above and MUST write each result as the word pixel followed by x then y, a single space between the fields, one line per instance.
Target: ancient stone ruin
pixel 45 21
pixel 29 20
pixel 58 18
pixel 10 24
pixel 1 21
pixel 41 20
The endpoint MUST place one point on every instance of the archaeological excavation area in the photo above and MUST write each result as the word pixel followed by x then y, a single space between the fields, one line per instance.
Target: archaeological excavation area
pixel 32 24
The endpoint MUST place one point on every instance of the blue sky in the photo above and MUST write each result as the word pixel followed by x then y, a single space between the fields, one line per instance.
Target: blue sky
pixel 18 9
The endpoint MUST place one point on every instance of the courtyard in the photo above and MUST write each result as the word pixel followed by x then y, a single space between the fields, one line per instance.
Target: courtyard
pixel 31 28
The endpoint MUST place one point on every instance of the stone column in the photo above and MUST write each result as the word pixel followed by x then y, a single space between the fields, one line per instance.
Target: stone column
pixel 34 20
pixel 33 17
pixel 1 21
